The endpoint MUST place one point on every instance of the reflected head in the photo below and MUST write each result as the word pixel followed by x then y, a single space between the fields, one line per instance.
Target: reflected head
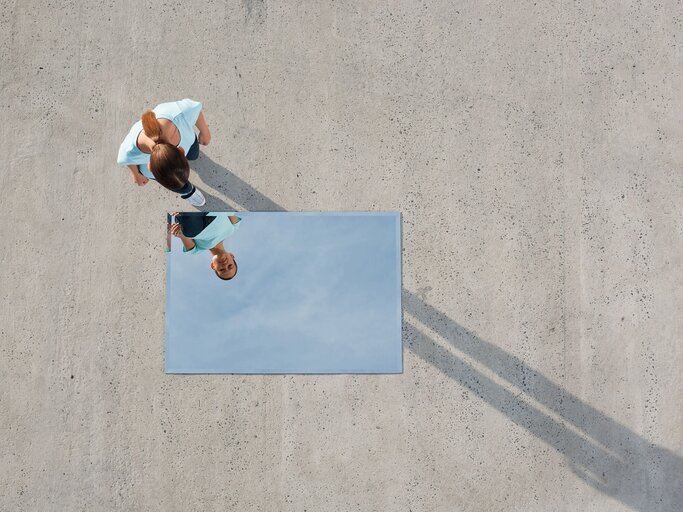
pixel 224 265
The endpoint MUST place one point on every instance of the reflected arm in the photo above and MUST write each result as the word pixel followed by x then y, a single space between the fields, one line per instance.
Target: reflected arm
pixel 176 230
pixel 188 243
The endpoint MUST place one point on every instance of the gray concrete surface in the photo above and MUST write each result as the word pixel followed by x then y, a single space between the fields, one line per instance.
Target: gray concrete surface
pixel 534 149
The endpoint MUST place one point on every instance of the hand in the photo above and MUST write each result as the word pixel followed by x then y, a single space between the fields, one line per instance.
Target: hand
pixel 204 137
pixel 176 230
pixel 140 180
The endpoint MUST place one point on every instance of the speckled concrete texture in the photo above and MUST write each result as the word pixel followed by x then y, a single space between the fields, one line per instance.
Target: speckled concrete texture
pixel 534 150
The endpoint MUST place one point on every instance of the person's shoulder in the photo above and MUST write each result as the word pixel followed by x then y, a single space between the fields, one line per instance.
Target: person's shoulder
pixel 188 104
pixel 128 150
pixel 185 108
pixel 168 109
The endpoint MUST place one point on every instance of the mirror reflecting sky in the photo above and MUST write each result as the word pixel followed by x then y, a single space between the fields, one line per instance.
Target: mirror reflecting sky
pixel 313 293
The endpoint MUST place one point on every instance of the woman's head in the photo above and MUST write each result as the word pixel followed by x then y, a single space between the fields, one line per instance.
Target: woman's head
pixel 224 265
pixel 167 162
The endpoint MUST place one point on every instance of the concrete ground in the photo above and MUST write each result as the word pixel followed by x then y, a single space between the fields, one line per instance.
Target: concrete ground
pixel 534 149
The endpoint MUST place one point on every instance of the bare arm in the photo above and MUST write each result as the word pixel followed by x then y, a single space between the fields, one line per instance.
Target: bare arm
pixel 138 178
pixel 188 243
pixel 204 133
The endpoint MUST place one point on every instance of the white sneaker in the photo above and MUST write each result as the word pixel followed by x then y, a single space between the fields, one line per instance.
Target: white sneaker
pixel 197 198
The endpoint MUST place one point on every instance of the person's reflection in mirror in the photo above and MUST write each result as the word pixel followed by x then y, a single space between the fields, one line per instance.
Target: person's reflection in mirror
pixel 206 232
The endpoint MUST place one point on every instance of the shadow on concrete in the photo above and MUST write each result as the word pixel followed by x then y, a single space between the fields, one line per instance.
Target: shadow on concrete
pixel 605 454
pixel 235 188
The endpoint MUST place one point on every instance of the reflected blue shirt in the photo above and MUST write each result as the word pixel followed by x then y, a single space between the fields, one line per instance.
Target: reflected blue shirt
pixel 183 114
pixel 213 234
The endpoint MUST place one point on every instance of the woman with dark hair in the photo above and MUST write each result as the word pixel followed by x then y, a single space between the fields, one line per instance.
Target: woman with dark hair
pixel 206 232
pixel 159 146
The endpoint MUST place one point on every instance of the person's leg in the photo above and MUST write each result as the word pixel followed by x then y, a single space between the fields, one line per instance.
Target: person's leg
pixel 193 223
pixel 191 193
pixel 185 191
pixel 193 153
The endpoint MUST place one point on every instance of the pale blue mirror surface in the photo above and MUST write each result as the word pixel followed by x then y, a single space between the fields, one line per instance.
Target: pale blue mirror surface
pixel 314 293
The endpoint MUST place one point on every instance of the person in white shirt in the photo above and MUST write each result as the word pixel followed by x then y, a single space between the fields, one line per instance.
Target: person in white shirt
pixel 206 232
pixel 159 146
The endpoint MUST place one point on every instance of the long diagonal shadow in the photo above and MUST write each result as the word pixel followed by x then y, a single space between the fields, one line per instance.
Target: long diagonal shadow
pixel 222 180
pixel 605 454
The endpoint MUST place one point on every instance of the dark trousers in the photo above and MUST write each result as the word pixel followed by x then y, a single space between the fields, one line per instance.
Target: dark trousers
pixel 188 189
pixel 185 191
pixel 193 153
pixel 193 223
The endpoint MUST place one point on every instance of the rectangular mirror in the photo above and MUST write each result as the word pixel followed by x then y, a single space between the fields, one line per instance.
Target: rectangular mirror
pixel 283 292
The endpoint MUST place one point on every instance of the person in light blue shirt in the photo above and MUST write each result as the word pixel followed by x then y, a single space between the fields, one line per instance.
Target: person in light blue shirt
pixel 161 143
pixel 206 232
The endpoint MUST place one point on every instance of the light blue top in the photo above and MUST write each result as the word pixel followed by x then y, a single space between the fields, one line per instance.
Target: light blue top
pixel 183 114
pixel 213 234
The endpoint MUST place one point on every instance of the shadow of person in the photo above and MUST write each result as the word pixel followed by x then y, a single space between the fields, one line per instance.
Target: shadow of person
pixel 235 188
pixel 603 453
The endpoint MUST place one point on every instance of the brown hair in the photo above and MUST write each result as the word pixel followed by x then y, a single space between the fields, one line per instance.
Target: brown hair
pixel 151 126
pixel 168 164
